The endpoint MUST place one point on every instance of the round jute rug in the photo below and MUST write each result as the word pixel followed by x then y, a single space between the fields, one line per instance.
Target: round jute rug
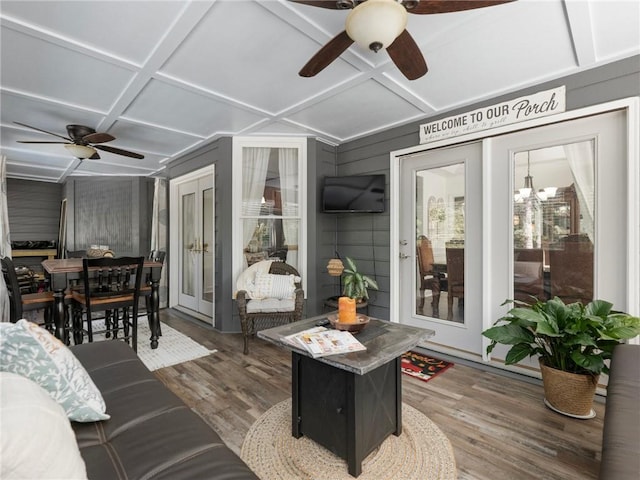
pixel 422 452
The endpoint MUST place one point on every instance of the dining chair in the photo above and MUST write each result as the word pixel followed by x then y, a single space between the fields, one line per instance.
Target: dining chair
pixel 528 274
pixel 571 269
pixel 428 278
pixel 111 285
pixel 455 278
pixel 145 288
pixel 25 302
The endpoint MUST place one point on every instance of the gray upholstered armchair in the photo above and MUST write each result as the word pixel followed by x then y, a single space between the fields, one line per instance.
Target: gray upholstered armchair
pixel 265 300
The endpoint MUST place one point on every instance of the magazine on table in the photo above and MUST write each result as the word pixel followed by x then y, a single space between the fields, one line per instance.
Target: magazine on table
pixel 321 341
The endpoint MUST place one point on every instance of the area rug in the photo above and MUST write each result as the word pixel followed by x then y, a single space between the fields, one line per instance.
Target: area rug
pixel 173 346
pixel 422 366
pixel 422 452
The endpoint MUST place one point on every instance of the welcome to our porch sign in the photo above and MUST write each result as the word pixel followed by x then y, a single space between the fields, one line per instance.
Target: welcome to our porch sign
pixel 537 105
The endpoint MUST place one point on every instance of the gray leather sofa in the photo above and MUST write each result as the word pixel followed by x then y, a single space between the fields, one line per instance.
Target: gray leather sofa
pixel 621 433
pixel 152 434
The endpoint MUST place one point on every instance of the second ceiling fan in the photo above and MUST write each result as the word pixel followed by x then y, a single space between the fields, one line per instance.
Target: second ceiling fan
pixel 378 24
pixel 82 142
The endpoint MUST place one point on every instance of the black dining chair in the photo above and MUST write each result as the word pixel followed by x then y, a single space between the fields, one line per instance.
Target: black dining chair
pixel 145 288
pixel 25 302
pixel 111 285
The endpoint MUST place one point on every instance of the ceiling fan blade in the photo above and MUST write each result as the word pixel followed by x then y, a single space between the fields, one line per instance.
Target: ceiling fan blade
pixel 426 7
pixel 118 151
pixel 95 156
pixel 326 55
pixel 407 56
pixel 332 4
pixel 98 138
pixel 43 131
pixel 30 141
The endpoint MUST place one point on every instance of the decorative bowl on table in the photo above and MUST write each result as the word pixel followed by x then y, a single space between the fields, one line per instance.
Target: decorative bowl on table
pixel 354 327
pixel 99 252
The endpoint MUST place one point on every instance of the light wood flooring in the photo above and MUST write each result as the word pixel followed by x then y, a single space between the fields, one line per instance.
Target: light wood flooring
pixel 498 426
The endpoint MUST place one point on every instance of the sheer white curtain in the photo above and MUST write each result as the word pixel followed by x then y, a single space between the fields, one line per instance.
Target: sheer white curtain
pixel 288 166
pixel 581 161
pixel 255 163
pixel 159 222
pixel 5 243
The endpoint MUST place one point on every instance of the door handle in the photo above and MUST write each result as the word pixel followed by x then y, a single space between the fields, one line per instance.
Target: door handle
pixel 403 256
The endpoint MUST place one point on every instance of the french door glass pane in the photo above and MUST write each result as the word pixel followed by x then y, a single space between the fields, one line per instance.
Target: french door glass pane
pixel 207 245
pixel 188 243
pixel 440 235
pixel 553 223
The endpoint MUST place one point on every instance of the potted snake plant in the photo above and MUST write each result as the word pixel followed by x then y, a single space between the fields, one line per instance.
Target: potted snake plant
pixel 572 343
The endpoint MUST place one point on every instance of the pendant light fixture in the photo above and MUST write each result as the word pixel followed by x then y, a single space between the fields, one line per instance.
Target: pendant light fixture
pixel 528 189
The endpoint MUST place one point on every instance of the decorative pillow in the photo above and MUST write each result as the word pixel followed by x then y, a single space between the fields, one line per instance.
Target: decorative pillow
pixel 37 440
pixel 31 351
pixel 246 280
pixel 268 285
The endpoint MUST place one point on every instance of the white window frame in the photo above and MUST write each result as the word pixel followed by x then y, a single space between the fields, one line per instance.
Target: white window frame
pixel 300 143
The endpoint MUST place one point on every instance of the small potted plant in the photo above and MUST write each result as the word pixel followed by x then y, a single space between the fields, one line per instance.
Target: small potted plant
pixel 356 284
pixel 572 343
pixel 354 291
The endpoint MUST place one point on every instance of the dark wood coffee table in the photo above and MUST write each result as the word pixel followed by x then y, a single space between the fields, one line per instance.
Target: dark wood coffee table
pixel 349 403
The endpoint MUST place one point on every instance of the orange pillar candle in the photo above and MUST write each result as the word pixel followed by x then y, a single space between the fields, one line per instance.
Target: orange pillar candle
pixel 346 310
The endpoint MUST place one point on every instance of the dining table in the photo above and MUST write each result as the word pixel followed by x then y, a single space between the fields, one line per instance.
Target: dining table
pixel 63 272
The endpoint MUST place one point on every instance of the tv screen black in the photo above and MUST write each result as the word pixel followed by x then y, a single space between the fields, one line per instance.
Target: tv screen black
pixel 356 193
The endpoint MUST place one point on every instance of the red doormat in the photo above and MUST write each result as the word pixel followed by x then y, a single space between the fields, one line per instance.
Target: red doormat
pixel 422 366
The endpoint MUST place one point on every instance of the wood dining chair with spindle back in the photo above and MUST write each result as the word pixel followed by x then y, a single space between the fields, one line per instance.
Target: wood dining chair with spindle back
pixel 111 285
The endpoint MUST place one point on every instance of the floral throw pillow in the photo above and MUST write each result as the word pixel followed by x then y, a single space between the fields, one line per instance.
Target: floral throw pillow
pixel 29 350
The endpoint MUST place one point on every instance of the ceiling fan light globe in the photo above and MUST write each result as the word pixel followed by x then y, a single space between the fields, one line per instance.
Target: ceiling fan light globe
pixel 80 151
pixel 375 24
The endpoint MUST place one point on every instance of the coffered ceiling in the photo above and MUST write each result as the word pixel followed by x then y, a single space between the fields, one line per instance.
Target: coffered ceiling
pixel 167 77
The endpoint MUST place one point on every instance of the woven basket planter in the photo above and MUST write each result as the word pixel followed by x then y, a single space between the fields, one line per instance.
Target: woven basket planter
pixel 569 393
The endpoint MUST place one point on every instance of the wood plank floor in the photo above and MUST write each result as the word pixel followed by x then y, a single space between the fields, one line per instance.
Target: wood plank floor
pixel 498 426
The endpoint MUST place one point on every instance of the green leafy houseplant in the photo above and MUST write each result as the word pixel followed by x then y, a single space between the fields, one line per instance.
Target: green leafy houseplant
pixel 573 338
pixel 356 284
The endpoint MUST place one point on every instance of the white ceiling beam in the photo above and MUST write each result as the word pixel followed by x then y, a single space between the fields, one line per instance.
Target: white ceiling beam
pixel 190 16
pixel 580 26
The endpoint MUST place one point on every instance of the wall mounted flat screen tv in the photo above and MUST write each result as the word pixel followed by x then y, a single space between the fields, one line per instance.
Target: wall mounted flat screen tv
pixel 356 193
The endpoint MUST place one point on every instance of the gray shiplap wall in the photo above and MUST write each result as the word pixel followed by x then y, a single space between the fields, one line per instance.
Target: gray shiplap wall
pixel 34 209
pixel 371 155
pixel 321 228
pixel 34 213
pixel 111 211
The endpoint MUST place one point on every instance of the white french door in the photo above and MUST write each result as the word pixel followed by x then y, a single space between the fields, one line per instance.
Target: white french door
pixel 440 202
pixel 193 242
pixel 508 207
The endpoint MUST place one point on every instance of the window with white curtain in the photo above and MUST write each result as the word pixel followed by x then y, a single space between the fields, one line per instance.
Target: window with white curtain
pixel 269 182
